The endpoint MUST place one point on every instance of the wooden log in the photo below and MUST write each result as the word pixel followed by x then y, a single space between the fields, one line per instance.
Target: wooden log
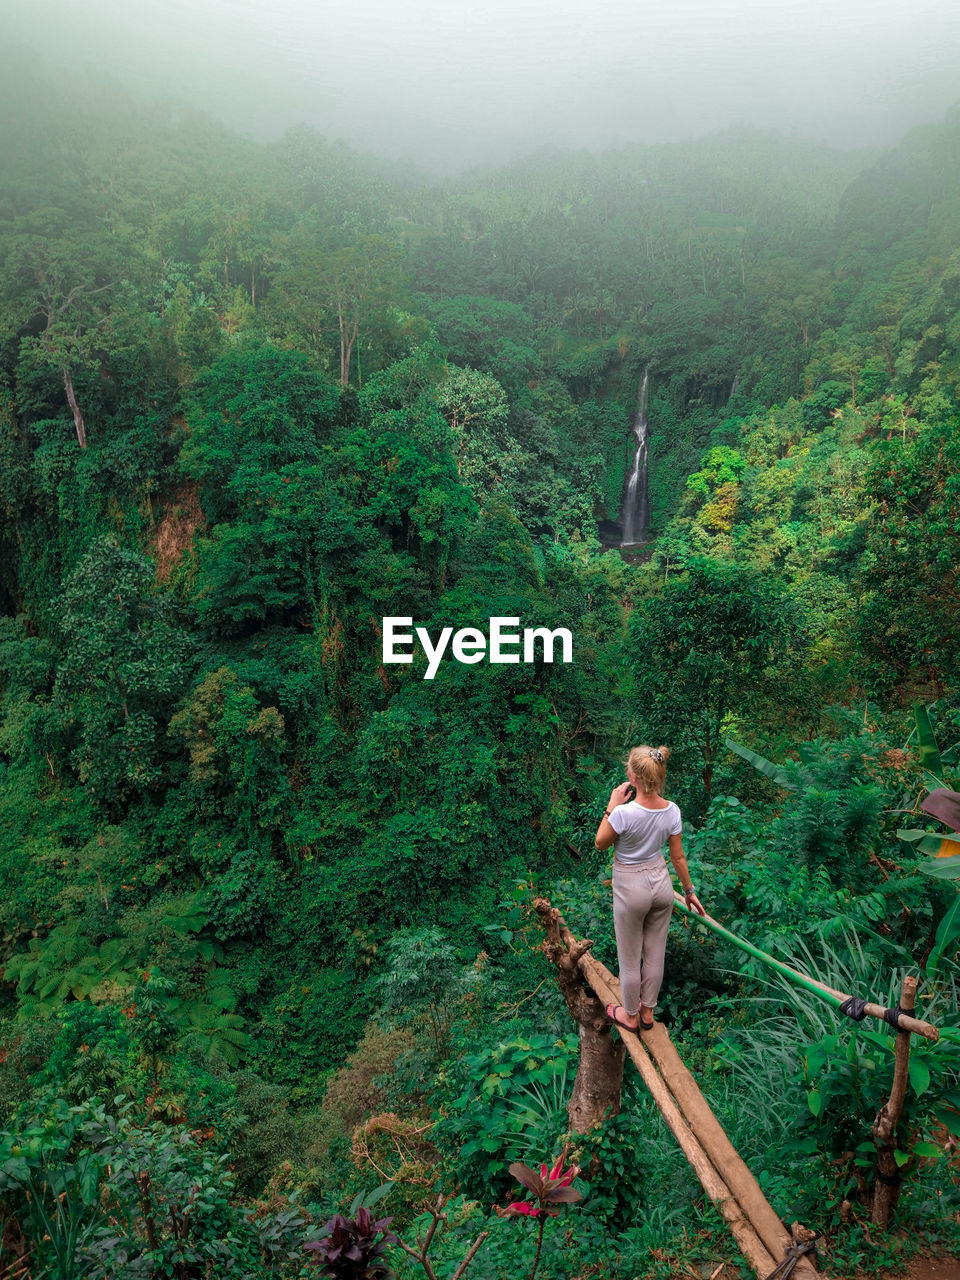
pixel 701 1125
pixel 749 1242
pixel 712 1137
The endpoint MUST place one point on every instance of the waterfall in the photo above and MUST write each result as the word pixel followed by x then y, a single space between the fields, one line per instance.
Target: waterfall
pixel 635 514
pixel 735 388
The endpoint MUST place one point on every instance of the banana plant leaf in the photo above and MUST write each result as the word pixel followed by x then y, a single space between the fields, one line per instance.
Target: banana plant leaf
pixel 927 748
pixel 779 775
pixel 936 846
pixel 944 805
pixel 947 936
pixel 942 868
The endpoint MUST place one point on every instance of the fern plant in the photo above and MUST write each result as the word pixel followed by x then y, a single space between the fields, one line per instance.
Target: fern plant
pixel 69 964
pixel 831 815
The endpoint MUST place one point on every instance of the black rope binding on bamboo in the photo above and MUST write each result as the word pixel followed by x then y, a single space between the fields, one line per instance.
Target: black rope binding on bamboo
pixel 893 1016
pixel 783 1270
pixel 854 1008
pixel 889 1180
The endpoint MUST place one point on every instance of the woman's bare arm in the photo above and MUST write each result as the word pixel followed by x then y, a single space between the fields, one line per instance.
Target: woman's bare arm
pixel 678 858
pixel 605 833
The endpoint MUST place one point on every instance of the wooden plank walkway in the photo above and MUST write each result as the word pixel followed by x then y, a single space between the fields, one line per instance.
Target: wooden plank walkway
pixel 761 1236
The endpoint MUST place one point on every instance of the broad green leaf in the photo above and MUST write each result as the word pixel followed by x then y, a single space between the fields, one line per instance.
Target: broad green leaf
pixel 877 1040
pixel 89 1180
pixel 928 1149
pixel 927 748
pixel 940 846
pixel 901 1157
pixel 17 1168
pixel 770 770
pixel 929 842
pixel 919 1075
pixel 376 1196
pixel 942 868
pixel 815 1060
pixel 814 1102
pixel 947 934
pixel 911 834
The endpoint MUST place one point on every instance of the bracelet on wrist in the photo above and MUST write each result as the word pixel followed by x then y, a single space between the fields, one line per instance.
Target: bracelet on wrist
pixel 690 893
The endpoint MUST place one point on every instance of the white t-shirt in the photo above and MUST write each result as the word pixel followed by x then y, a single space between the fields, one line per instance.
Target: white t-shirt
pixel 641 832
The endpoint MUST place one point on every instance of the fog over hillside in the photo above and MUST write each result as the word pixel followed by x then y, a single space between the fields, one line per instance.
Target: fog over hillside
pixel 449 83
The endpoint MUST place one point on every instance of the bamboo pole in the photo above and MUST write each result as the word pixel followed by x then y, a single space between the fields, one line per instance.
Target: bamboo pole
pixel 820 989
pixel 886 1191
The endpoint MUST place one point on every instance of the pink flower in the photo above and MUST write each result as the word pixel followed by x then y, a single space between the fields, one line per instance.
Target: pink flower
pixel 517 1208
pixel 550 1189
pixel 557 1173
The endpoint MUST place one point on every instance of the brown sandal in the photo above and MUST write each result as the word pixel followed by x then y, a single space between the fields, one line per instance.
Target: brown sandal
pixel 612 1017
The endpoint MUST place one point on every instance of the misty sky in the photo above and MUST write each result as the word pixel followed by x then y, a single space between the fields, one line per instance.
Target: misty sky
pixel 451 83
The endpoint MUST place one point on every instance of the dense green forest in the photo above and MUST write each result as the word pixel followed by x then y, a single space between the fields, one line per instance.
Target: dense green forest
pixel 267 940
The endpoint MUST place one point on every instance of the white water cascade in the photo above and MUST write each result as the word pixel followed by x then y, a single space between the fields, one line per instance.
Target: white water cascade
pixel 635 515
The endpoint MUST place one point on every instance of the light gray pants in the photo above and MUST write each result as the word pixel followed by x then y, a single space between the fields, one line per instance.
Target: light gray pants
pixel 642 904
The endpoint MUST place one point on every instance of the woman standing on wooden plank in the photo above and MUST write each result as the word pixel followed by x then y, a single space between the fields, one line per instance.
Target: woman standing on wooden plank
pixel 638 821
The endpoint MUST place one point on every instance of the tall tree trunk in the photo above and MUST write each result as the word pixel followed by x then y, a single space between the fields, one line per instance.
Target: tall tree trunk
pixel 348 336
pixel 708 759
pixel 599 1082
pixel 75 408
pixel 344 352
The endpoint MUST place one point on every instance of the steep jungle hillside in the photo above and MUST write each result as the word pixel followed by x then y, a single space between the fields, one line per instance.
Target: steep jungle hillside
pixel 266 937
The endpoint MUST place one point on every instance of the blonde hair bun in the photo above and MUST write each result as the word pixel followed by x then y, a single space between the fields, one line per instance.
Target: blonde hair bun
pixel 649 766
